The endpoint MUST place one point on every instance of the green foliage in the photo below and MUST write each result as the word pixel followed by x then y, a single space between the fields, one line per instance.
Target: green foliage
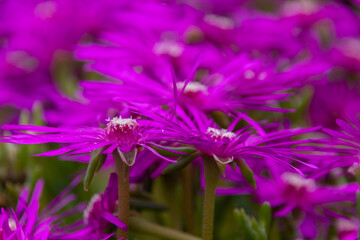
pixel 250 228
pixel 181 163
pixel 247 173
pixel 96 161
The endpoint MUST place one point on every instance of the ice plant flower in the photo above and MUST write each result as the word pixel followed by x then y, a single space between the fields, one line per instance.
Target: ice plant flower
pixel 23 223
pixel 348 229
pixel 317 203
pixel 324 110
pixel 98 215
pixel 349 133
pixel 123 135
pixel 33 45
pixel 29 222
pixel 241 84
pixel 227 145
pixel 100 209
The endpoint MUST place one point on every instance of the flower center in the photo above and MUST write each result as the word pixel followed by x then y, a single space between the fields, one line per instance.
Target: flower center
pixel 171 48
pixel 220 134
pixel 45 10
pixel 192 87
pixel 22 60
pixel 298 183
pixel 221 22
pixel 194 92
pixel 350 47
pixel 123 130
pixel 12 224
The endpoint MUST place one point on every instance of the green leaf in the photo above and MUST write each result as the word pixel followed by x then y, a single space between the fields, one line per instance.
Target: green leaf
pixel 182 162
pixel 246 172
pixel 167 151
pixel 250 229
pixel 358 203
pixel 265 216
pixel 100 162
pixel 96 158
pixel 38 114
pixel 146 204
pixel 245 224
pixel 24 118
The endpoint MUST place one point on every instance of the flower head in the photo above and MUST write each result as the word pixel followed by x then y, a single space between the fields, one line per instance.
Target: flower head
pixel 317 204
pixel 99 213
pixel 121 134
pixel 28 222
pixel 123 130
pixel 225 145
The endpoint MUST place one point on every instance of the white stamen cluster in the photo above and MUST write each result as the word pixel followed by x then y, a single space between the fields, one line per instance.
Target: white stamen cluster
pixel 192 87
pixel 22 60
pixel 219 134
pixel 346 225
pixel 96 198
pixel 354 169
pixel 298 182
pixel 122 123
pixel 350 47
pixel 12 224
pixel 171 48
pixel 306 7
pixel 123 130
pixel 249 74
pixel 219 21
pixel 45 10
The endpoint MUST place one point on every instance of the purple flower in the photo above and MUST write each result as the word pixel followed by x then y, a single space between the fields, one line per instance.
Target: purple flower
pixel 348 229
pixel 28 222
pixel 121 134
pixel 227 145
pixel 317 203
pixel 242 83
pixel 349 134
pixel 345 54
pixel 23 224
pixel 98 215
pixel 324 109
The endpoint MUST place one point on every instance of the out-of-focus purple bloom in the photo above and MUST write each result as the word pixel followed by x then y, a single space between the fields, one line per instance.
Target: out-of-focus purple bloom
pixel 346 54
pixel 349 133
pixel 317 203
pixel 29 25
pixel 84 112
pixel 98 215
pixel 28 222
pixel 242 83
pixel 339 16
pixel 23 223
pixel 325 108
pixel 348 229
pixel 35 34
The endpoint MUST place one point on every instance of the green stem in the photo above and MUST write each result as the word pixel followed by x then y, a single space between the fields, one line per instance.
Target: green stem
pixel 122 171
pixel 188 200
pixel 212 174
pixel 165 190
pixel 169 184
pixel 143 226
